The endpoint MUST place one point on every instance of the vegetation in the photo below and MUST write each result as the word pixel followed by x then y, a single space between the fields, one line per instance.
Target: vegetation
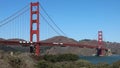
pixel 85 40
pixel 15 62
pixel 61 57
pixel 75 64
pixel 42 64
pixel 116 64
pixel 71 61
pixel 26 60
pixel 102 65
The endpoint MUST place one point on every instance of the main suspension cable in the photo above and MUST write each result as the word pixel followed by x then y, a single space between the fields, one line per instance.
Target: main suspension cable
pixel 49 24
pixel 52 20
pixel 13 15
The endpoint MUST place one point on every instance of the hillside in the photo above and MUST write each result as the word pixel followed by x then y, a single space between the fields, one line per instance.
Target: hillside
pixel 14 48
pixel 115 47
pixel 17 60
pixel 2 39
pixel 60 39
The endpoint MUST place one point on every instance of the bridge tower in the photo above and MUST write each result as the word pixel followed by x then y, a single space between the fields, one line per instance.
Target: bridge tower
pixel 34 26
pixel 100 38
pixel 100 43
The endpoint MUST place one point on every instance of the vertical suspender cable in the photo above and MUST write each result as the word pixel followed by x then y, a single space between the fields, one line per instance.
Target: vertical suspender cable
pixel 52 20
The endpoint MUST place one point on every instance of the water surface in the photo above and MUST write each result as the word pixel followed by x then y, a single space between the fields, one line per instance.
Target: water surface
pixel 96 59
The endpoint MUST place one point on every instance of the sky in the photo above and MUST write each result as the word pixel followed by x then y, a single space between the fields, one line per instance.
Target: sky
pixel 79 19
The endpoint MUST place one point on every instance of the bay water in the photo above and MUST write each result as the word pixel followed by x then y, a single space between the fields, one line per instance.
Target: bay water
pixel 101 59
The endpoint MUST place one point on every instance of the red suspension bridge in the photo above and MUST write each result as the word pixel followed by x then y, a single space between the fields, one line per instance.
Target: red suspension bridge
pixel 35 41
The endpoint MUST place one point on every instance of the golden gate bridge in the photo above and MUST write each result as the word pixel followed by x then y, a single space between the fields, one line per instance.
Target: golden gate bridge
pixel 35 32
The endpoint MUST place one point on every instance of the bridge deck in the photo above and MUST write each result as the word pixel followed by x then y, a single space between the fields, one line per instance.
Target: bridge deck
pixel 25 43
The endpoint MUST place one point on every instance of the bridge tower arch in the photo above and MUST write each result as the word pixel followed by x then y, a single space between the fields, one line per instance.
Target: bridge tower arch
pixel 100 44
pixel 34 23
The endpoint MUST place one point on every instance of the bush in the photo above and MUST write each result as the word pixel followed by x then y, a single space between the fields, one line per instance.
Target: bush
pixel 68 57
pixel 42 64
pixel 52 58
pixel 62 57
pixel 84 64
pixel 116 64
pixel 15 62
pixel 102 65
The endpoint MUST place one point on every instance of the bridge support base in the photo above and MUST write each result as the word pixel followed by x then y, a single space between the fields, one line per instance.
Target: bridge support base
pixel 37 50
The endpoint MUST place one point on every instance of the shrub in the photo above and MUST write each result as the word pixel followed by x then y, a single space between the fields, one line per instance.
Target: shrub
pixel 116 64
pixel 84 64
pixel 52 58
pixel 42 64
pixel 62 57
pixel 15 62
pixel 102 65
pixel 68 57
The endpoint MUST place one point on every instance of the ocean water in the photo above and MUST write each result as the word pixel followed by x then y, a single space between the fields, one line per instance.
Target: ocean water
pixel 100 59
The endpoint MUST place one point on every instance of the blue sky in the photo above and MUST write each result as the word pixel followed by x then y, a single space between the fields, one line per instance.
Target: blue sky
pixel 79 19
